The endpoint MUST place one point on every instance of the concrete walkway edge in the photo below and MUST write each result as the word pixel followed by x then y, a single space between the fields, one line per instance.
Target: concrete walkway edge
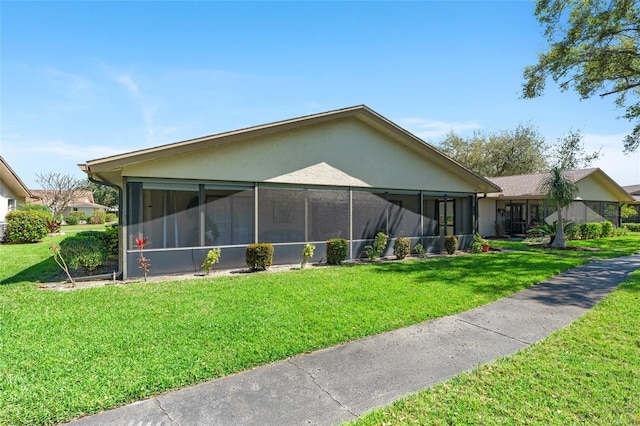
pixel 340 383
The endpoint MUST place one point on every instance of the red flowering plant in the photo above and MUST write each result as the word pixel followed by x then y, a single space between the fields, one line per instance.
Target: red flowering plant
pixel 144 263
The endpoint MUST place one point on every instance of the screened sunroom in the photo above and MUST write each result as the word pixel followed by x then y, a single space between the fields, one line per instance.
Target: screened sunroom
pixel 182 221
pixel 347 173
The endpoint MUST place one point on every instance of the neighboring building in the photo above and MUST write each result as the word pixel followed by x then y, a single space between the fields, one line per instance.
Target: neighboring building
pixel 520 205
pixel 347 173
pixel 634 191
pixel 84 203
pixel 13 191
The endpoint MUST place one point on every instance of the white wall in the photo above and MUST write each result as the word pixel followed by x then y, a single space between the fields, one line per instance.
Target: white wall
pixel 5 195
pixel 486 216
pixel 343 152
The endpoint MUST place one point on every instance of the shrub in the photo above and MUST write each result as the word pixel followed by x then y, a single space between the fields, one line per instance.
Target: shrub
pixel 259 256
pixel 617 232
pixel 590 230
pixel 71 220
pixel 450 243
pixel 380 243
pixel 419 250
pixel 607 229
pixel 307 253
pixel 110 217
pixel 213 257
pixel 111 237
pixel 86 250
pixel 402 247
pixel 26 226
pixel 571 231
pixel 370 252
pixel 79 214
pixel 633 227
pixel 337 249
pixel 97 218
pixel 478 242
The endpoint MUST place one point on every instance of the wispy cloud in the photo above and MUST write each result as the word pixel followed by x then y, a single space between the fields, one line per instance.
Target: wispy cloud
pixel 127 81
pixel 57 149
pixel 434 129
pixel 624 169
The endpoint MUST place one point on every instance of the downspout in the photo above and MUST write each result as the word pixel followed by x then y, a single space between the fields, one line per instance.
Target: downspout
pixel 117 274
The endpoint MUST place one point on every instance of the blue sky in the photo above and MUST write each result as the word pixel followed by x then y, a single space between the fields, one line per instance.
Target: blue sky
pixel 83 80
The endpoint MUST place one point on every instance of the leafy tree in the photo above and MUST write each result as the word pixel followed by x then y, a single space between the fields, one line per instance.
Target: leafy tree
pixel 104 195
pixel 569 153
pixel 59 191
pixel 505 153
pixel 560 191
pixel 593 49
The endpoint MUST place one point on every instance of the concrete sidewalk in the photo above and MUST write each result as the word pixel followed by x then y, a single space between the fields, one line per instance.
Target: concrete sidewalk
pixel 343 382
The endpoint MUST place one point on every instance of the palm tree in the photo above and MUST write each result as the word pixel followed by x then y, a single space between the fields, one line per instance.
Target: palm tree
pixel 561 191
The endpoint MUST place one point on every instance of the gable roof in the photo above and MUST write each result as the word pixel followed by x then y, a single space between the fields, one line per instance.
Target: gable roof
pixel 634 190
pixel 9 178
pixel 528 186
pixel 360 112
pixel 84 199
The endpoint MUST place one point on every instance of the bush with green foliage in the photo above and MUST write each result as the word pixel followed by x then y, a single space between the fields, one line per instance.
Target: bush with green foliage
pixel 111 238
pixel 590 230
pixel 402 247
pixel 337 250
pixel 477 243
pixel 419 250
pixel 86 250
pixel 380 243
pixel 571 231
pixel 36 207
pixel 632 227
pixel 81 215
pixel 307 254
pixel 450 243
pixel 607 229
pixel 259 256
pixel 213 257
pixel 621 231
pixel 26 226
pixel 97 218
pixel 71 220
pixel 110 217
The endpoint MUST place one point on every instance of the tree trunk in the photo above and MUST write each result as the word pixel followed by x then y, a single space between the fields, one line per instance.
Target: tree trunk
pixel 559 241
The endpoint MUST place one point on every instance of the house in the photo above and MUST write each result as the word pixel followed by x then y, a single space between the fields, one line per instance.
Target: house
pixel 345 173
pixel 520 205
pixel 83 202
pixel 634 191
pixel 13 191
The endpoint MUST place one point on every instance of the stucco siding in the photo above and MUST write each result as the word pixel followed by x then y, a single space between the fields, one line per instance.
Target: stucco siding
pixel 5 195
pixel 345 152
pixel 591 189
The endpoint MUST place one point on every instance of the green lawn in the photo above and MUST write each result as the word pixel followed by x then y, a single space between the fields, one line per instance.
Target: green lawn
pixel 66 354
pixel 585 374
pixel 607 247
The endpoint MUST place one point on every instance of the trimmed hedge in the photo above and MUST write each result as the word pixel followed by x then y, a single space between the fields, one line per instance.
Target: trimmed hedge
pixel 633 227
pixel 607 229
pixel 259 256
pixel 590 230
pixel 337 249
pixel 26 226
pixel 86 250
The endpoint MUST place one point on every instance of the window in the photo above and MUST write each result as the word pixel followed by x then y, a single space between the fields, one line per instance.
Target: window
pixel 12 204
pixel 281 217
pixel 228 217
